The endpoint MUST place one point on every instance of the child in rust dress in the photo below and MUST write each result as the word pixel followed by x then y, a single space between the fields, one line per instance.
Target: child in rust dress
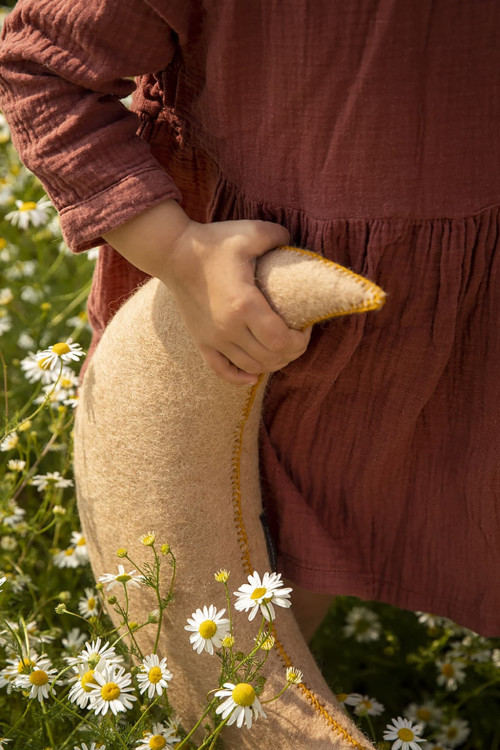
pixel 366 132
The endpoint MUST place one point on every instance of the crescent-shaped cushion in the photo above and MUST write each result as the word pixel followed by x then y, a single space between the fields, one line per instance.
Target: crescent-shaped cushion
pixel 163 444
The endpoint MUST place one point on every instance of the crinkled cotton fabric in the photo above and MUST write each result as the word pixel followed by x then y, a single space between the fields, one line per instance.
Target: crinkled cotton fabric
pixel 369 130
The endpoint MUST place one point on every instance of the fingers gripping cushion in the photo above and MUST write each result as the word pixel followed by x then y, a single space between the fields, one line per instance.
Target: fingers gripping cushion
pixel 162 443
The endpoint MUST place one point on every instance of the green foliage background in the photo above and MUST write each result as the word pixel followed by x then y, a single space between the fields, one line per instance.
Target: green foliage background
pixel 397 668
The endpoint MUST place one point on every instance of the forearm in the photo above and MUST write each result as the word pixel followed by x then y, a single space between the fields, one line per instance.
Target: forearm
pixel 148 239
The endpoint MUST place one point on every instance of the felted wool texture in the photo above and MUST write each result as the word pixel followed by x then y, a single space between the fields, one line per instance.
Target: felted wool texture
pixel 163 444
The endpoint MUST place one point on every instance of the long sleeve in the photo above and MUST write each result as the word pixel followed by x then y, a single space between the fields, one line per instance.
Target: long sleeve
pixel 63 69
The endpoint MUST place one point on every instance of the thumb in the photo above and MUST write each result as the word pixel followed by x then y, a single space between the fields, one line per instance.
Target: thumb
pixel 268 236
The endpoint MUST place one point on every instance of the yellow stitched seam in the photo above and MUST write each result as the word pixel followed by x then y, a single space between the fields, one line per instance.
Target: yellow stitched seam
pixel 378 294
pixel 378 301
pixel 247 562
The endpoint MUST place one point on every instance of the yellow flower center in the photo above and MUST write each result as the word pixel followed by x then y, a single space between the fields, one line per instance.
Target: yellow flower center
pixel 258 592
pixel 91 603
pixel 110 691
pixel 61 348
pixel 362 626
pixel 424 714
pixel 88 679
pixel 405 734
pixel 451 733
pixel 448 670
pixel 39 677
pixel 24 665
pixel 68 552
pixel 341 697
pixel 243 694
pixel 81 542
pixel 123 578
pixel 154 674
pixel 366 704
pixel 43 363
pixel 207 629
pixel 27 206
pixel 66 383
pixel 157 741
pixel 3 243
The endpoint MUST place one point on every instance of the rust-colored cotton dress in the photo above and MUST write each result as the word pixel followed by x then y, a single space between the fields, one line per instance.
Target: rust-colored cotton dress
pixel 371 131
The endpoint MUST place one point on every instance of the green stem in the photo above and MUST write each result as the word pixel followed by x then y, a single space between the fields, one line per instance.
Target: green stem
pixel 278 695
pixel 40 407
pixel 157 592
pixel 141 717
pixel 5 389
pixel 193 730
pixel 370 726
pixel 47 726
pixel 214 735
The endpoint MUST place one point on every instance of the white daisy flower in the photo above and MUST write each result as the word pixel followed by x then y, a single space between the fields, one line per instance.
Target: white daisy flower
pixel 40 681
pixel 31 295
pixel 82 682
pixel 161 736
pixel 15 464
pixel 364 705
pixel 6 296
pixel 433 622
pixel 424 713
pixel 3 743
pixel 25 341
pixel 92 746
pixel 69 380
pixel 20 582
pixel 94 652
pixel 405 733
pixel 74 639
pixel 72 401
pixel 8 543
pixel 88 606
pixel 112 692
pixel 67 558
pixel 79 543
pixel 128 579
pixel 363 625
pixel 208 629
pixel 52 478
pixel 29 213
pixel 240 704
pixel 153 675
pixel 10 442
pixel 454 733
pixel 12 515
pixel 64 351
pixel 5 322
pixel 34 372
pixel 472 648
pixel 451 673
pixel 262 594
pixel 294 676
pixel 54 395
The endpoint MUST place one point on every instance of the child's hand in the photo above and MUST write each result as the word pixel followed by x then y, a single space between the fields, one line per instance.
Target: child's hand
pixel 210 270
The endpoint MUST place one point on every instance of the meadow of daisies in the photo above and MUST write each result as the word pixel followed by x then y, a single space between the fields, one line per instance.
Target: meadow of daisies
pixel 67 679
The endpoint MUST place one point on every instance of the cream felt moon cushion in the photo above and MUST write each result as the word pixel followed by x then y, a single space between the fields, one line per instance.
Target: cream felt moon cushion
pixel 161 443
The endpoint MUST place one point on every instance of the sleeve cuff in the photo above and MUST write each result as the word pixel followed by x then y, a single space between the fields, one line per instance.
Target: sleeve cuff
pixel 84 224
